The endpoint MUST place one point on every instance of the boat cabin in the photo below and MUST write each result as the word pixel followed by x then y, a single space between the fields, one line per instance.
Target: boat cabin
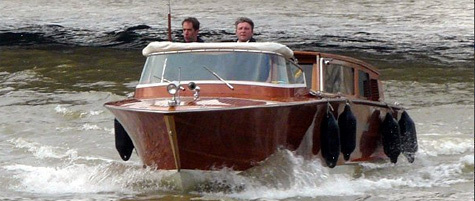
pixel 258 65
pixel 347 76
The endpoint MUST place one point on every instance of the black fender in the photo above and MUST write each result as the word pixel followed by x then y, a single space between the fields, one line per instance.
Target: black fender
pixel 123 143
pixel 330 139
pixel 408 136
pixel 390 136
pixel 347 126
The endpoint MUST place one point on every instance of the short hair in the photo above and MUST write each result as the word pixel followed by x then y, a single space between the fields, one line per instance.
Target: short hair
pixel 244 19
pixel 194 22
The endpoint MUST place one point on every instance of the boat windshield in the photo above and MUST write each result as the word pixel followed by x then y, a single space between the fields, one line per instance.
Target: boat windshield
pixel 229 65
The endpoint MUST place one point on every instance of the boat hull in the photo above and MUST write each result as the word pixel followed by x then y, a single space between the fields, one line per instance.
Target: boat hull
pixel 239 138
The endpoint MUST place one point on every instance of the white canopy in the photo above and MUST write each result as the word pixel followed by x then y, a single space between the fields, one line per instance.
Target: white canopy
pixel 155 47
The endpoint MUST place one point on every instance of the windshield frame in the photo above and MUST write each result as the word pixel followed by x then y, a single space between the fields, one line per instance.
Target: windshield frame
pixel 214 81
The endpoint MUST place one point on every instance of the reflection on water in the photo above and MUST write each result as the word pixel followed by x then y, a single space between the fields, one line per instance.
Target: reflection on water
pixel 71 69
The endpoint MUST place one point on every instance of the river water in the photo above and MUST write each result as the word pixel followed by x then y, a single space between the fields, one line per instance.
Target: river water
pixel 61 60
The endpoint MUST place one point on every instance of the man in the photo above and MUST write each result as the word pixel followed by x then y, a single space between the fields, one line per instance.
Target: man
pixel 191 28
pixel 244 30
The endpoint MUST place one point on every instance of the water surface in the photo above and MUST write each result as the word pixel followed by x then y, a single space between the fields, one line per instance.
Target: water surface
pixel 60 61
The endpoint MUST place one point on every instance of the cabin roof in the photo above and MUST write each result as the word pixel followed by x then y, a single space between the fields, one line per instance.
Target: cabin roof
pixel 157 47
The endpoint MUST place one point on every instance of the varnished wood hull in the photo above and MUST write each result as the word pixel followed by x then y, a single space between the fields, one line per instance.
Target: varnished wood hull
pixel 240 137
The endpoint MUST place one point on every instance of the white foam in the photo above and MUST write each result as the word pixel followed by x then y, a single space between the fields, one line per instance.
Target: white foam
pixel 467 160
pixel 316 181
pixel 95 112
pixel 346 185
pixel 75 178
pixel 61 109
pixel 282 176
pixel 445 146
pixel 87 127
pixel 42 151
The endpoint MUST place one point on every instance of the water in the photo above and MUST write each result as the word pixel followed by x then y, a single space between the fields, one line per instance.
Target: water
pixel 61 60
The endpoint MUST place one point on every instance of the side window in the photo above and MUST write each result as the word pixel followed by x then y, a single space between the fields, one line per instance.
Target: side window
pixel 374 90
pixel 364 84
pixel 338 78
pixel 308 69
pixel 296 75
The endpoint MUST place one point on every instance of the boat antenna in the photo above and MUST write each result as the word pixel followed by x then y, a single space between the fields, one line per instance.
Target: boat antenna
pixel 169 22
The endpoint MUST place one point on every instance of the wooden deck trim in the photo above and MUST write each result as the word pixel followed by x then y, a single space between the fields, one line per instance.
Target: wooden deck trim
pixel 172 135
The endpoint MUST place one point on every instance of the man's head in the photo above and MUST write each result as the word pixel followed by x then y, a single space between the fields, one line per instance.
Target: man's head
pixel 191 27
pixel 244 29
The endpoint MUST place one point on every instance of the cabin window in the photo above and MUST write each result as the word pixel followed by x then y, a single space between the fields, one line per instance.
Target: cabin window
pixel 338 78
pixel 308 69
pixel 374 90
pixel 294 73
pixel 364 84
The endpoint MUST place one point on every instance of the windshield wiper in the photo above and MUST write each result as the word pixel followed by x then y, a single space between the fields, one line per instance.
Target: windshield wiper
pixel 217 76
pixel 162 79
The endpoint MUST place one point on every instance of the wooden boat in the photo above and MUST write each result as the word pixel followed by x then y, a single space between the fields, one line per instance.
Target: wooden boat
pixel 205 106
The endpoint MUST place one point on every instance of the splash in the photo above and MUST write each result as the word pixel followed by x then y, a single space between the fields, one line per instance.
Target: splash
pixel 73 178
pixel 42 152
pixel 283 175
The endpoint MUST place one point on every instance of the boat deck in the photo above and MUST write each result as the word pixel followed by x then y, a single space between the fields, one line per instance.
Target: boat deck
pixel 204 103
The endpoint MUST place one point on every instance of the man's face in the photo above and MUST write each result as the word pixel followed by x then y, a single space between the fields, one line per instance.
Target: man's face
pixel 189 33
pixel 244 31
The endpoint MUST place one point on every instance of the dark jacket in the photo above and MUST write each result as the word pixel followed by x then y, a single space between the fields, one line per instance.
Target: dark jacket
pixel 198 40
pixel 250 40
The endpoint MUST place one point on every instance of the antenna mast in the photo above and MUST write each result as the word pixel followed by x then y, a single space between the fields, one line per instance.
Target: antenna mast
pixel 169 22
